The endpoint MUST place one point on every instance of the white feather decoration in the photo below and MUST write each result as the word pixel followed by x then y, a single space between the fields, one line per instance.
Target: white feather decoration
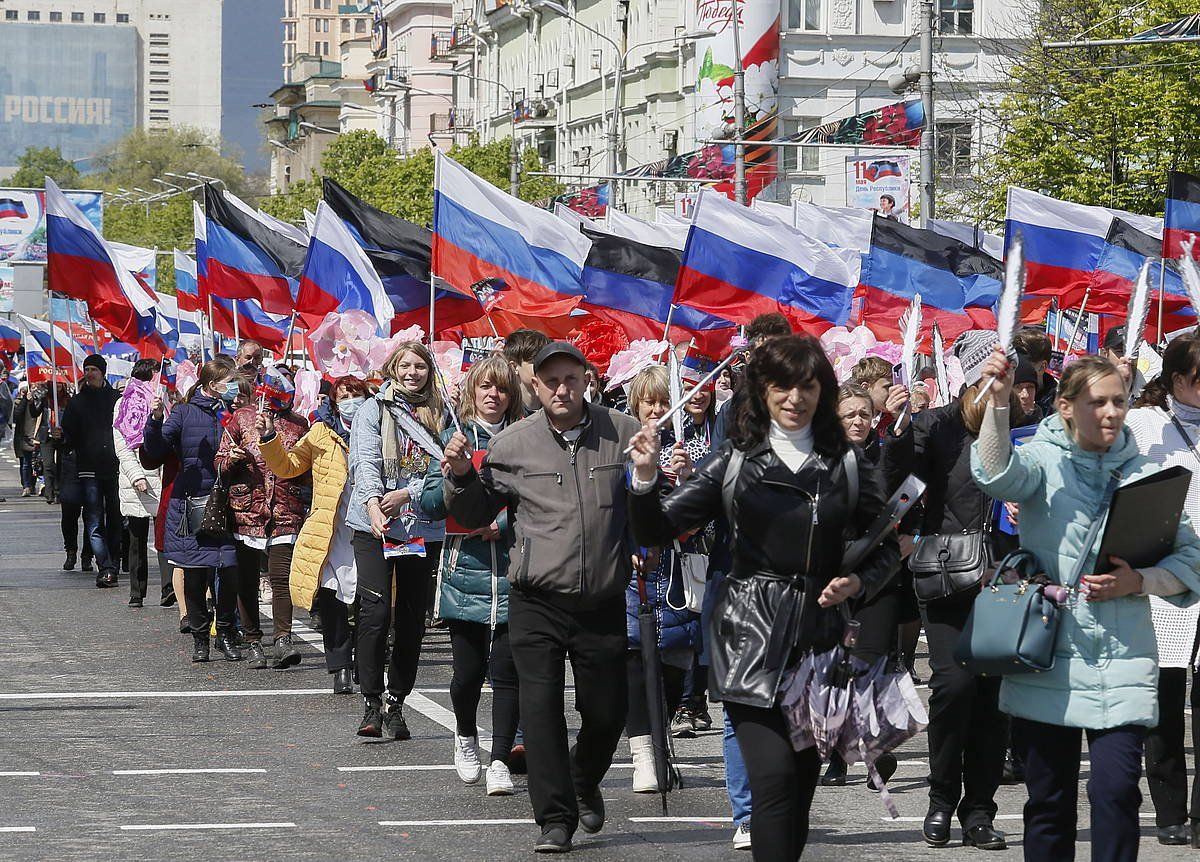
pixel 941 375
pixel 1008 309
pixel 910 331
pixel 1191 275
pixel 1135 319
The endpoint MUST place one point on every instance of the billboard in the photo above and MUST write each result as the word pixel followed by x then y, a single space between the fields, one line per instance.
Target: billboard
pixel 23 221
pixel 880 185
pixel 6 288
pixel 71 86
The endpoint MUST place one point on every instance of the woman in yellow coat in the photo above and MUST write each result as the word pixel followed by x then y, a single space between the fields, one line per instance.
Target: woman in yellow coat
pixel 323 574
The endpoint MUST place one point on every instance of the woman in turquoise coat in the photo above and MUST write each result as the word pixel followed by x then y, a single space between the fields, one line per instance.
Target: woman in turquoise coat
pixel 472 587
pixel 1105 675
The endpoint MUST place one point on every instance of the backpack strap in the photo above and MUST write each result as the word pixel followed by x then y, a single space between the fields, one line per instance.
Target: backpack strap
pixel 733 469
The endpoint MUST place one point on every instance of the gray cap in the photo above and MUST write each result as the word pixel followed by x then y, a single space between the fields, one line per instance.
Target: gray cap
pixel 558 348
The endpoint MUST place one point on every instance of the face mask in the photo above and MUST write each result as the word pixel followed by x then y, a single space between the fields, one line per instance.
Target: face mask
pixel 347 407
pixel 230 393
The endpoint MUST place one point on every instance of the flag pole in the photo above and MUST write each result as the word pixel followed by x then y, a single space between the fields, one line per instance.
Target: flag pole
pixel 236 331
pixel 432 292
pixel 1078 321
pixel 95 339
pixel 212 332
pixel 54 363
pixel 287 344
pixel 667 328
pixel 1162 286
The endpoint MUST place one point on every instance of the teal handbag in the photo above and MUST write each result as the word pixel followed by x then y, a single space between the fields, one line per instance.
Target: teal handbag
pixel 1013 627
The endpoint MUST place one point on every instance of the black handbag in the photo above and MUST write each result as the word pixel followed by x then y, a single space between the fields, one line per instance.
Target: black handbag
pixel 947 563
pixel 214 522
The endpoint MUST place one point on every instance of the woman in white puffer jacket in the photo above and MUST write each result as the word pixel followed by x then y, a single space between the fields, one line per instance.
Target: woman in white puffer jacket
pixel 140 491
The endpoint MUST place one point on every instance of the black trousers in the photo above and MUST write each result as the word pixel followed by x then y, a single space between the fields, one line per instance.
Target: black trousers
pixel 249 567
pixel 414 580
pixel 782 781
pixel 139 563
pixel 479 653
pixel 544 632
pixel 637 716
pixel 878 621
pixel 195 585
pixel 336 633
pixel 1051 754
pixel 1166 758
pixel 966 727
pixel 71 512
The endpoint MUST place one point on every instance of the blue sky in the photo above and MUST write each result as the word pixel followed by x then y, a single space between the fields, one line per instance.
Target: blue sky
pixel 251 70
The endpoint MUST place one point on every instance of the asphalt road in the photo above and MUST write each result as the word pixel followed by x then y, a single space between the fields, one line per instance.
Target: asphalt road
pixel 114 746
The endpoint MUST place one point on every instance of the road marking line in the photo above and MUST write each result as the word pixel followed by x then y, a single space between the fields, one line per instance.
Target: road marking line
pixel 424 768
pixel 17 829
pixel 677 766
pixel 19 774
pixel 242 692
pixel 714 821
pixel 216 771
pixel 164 827
pixel 497 822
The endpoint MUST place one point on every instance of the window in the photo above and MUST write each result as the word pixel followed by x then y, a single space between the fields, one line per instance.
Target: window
pixel 805 14
pixel 32 15
pixel 122 17
pixel 99 18
pixel 159 76
pixel 160 97
pixel 800 160
pixel 76 17
pixel 55 17
pixel 345 25
pixel 956 17
pixel 954 146
pixel 360 25
pixel 157 58
pixel 10 14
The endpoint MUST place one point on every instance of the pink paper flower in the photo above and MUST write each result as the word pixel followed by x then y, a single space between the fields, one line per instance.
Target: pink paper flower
pixel 626 364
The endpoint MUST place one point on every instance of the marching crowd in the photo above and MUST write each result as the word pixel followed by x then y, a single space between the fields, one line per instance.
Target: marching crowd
pixel 534 513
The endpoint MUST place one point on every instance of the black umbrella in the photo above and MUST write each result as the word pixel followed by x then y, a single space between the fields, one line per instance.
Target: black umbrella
pixel 665 773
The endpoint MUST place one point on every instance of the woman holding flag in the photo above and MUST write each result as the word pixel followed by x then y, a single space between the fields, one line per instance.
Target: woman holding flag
pixel 472 586
pixel 323 574
pixel 193 432
pixel 392 440
pixel 267 514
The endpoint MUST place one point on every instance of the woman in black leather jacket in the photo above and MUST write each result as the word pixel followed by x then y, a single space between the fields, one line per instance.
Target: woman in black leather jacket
pixel 792 513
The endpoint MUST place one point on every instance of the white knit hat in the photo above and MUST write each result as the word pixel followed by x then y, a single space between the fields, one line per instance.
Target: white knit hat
pixel 973 348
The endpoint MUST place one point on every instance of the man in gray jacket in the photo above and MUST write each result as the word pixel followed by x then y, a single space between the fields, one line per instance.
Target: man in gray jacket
pixel 561 474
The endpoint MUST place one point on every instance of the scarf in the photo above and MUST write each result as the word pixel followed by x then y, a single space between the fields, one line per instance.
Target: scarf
pixel 407 444
pixel 1187 415
pixel 326 414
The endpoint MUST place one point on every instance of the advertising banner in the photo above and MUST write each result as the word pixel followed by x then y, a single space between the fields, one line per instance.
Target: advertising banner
pixel 6 288
pixel 23 221
pixel 880 185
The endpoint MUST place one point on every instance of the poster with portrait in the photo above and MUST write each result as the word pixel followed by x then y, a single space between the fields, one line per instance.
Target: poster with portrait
pixel 880 184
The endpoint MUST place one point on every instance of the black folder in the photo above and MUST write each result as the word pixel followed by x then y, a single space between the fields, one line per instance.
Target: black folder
pixel 1144 518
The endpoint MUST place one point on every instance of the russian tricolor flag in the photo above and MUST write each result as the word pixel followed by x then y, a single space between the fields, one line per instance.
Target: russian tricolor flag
pixel 269 330
pixel 1182 214
pixel 739 263
pixel 187 287
pixel 82 265
pixel 64 349
pixel 200 231
pixel 338 275
pixel 958 284
pixel 37 365
pixel 1063 242
pixel 10 338
pixel 481 232
pixel 631 284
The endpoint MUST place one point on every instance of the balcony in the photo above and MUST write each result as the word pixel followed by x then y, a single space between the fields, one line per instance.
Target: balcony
pixel 441 45
pixel 441 124
pixel 462 118
pixel 534 112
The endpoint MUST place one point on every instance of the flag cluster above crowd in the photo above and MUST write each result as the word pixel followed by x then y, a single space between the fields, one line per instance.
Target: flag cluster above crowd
pixel 493 264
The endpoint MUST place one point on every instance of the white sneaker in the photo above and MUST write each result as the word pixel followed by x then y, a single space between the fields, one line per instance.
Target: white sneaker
pixel 741 837
pixel 466 758
pixel 499 779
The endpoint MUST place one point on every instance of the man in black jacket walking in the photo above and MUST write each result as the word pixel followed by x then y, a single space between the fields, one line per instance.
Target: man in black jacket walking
pixel 87 428
pixel 561 474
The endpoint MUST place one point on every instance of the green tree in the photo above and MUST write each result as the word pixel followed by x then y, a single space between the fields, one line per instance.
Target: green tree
pixel 142 157
pixel 366 166
pixel 1099 125
pixel 37 163
pixel 163 225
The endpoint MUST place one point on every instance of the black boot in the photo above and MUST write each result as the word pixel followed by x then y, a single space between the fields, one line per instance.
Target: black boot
pixel 835 775
pixel 342 684
pixel 69 563
pixel 200 648
pixel 85 560
pixel 256 656
pixel 286 654
pixel 226 646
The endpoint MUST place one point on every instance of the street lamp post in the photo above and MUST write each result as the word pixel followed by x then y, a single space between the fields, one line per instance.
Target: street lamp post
pixel 514 152
pixel 304 124
pixel 739 107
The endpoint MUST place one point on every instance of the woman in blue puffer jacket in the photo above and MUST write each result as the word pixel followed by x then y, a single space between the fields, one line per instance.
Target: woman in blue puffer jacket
pixel 1105 674
pixel 472 587
pixel 679 638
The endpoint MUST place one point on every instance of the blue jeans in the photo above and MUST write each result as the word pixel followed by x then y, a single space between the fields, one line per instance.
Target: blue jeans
pixel 102 521
pixel 737 783
pixel 26 464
